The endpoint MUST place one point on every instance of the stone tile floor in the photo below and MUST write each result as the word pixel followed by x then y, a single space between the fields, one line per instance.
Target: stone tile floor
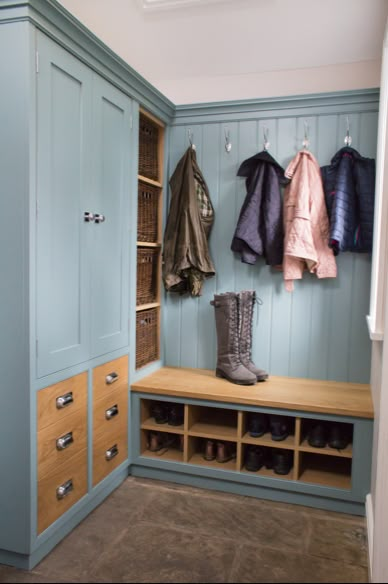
pixel 152 531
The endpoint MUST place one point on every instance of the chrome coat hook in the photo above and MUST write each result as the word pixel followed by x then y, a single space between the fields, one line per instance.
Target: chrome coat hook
pixel 306 141
pixel 228 143
pixel 348 138
pixel 190 137
pixel 266 143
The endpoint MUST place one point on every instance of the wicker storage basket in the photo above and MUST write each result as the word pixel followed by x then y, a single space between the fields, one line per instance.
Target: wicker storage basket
pixel 147 337
pixel 147 275
pixel 147 212
pixel 148 148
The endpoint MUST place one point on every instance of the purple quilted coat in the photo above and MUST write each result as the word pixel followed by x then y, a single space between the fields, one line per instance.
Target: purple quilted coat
pixel 259 231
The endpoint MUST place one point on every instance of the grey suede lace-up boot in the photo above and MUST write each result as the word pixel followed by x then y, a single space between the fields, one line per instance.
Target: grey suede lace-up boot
pixel 229 364
pixel 246 302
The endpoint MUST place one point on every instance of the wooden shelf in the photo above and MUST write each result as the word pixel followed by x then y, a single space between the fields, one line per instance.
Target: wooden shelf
pixel 326 450
pixel 267 472
pixel 198 459
pixel 172 454
pixel 147 244
pixel 147 306
pixel 149 181
pixel 326 478
pixel 219 432
pixel 266 440
pixel 150 424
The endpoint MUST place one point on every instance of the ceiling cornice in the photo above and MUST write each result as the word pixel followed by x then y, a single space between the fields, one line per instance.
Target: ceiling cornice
pixel 155 5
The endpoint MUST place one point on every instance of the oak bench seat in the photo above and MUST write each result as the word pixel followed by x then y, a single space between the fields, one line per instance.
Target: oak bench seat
pixel 292 393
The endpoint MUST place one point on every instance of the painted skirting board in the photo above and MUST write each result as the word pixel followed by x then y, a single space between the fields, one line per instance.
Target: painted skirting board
pixel 369 527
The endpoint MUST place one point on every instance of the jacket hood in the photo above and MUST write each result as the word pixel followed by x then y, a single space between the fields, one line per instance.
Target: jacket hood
pixel 250 165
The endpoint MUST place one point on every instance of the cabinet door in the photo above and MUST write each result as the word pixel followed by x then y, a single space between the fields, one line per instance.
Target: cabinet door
pixel 64 116
pixel 109 261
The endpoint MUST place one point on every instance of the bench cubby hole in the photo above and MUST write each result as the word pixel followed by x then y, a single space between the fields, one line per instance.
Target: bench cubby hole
pixel 171 445
pixel 217 423
pixel 326 430
pixel 249 419
pixel 199 447
pixel 329 471
pixel 271 457
pixel 148 420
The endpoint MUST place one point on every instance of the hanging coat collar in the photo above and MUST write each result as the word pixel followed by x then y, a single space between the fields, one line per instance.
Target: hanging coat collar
pixel 347 150
pixel 250 165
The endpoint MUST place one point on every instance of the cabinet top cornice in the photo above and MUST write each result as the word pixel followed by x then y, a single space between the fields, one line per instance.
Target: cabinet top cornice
pixel 53 19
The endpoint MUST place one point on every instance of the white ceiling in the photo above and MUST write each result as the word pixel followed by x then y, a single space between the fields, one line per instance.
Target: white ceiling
pixel 196 40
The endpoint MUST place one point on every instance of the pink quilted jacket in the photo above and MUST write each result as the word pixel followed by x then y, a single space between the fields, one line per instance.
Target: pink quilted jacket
pixel 306 224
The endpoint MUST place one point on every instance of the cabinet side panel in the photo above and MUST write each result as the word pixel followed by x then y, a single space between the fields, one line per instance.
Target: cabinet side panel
pixel 14 330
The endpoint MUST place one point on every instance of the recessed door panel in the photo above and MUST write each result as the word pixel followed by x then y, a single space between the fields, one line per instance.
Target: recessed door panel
pixel 109 262
pixel 63 134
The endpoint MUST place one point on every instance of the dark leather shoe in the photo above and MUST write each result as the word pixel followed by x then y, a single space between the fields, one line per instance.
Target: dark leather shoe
pixel 339 436
pixel 210 450
pixel 282 461
pixel 279 427
pixel 254 458
pixel 175 414
pixel 258 425
pixel 317 436
pixel 160 412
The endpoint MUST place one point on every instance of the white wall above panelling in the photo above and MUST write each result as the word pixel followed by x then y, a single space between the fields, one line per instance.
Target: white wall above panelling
pixel 197 50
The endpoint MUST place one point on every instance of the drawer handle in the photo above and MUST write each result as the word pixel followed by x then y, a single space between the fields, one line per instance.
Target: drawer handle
pixel 112 412
pixel 64 400
pixel 111 378
pixel 65 441
pixel 65 489
pixel 112 452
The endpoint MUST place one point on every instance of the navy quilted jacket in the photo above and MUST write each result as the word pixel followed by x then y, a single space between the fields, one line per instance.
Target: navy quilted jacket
pixel 259 230
pixel 349 183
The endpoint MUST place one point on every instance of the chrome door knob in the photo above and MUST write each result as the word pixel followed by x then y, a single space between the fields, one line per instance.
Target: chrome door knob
pixel 99 218
pixel 88 217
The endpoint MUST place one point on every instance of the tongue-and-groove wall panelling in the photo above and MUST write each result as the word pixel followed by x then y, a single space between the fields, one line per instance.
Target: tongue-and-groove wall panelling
pixel 319 330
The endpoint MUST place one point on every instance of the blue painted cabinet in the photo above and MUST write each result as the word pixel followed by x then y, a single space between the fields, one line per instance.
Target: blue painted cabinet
pixel 83 154
pixel 68 147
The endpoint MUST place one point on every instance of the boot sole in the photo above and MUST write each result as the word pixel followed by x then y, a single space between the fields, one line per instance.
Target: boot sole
pixel 222 375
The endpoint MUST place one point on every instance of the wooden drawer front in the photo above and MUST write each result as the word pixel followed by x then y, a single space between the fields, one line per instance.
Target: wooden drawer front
pixel 50 507
pixel 74 388
pixel 70 433
pixel 117 371
pixel 101 466
pixel 103 408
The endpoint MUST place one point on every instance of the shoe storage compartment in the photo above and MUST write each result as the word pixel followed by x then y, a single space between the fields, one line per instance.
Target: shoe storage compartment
pixel 332 471
pixel 255 421
pixel 326 437
pixel 164 445
pixel 274 462
pixel 225 453
pixel 210 422
pixel 318 456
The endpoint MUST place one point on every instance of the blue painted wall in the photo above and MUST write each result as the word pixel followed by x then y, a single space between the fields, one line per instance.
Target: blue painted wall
pixel 318 331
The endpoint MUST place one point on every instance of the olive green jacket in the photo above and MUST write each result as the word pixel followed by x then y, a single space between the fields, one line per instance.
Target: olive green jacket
pixel 186 257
